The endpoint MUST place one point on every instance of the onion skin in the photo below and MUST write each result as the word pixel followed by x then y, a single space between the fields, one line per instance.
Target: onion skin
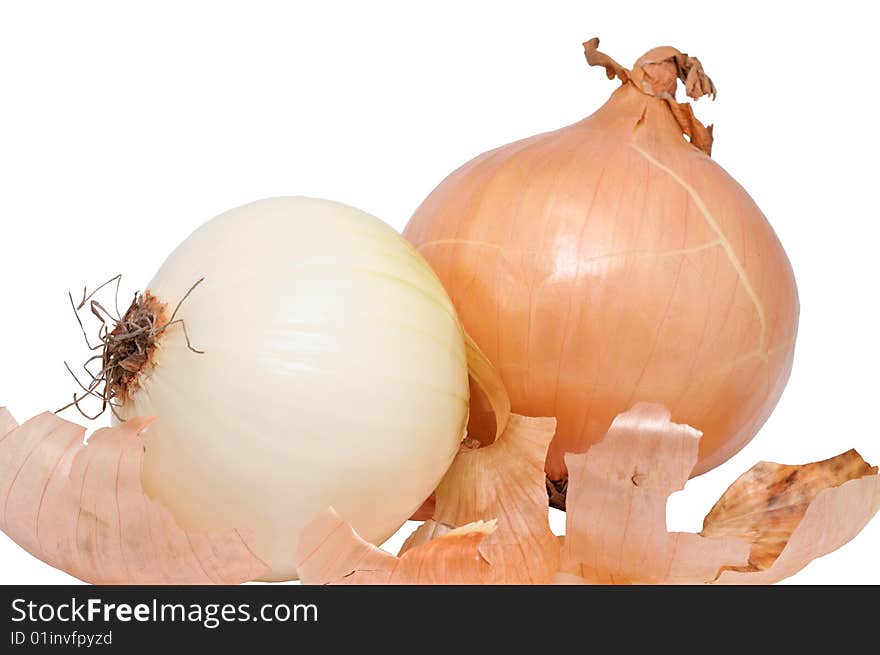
pixel 613 261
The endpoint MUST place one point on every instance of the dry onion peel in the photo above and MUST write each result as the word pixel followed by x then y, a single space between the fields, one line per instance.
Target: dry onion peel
pixel 428 530
pixel 656 73
pixel 505 481
pixel 771 522
pixel 793 514
pixel 502 483
pixel 331 552
pixel 616 508
pixel 489 409
pixel 81 508
pixel 489 399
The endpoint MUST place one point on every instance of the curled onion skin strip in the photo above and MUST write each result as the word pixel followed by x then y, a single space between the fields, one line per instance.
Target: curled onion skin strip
pixel 489 409
pixel 501 485
pixel 616 513
pixel 81 508
pixel 331 552
pixel 489 400
pixel 428 530
pixel 794 514
pixel 505 481
pixel 769 524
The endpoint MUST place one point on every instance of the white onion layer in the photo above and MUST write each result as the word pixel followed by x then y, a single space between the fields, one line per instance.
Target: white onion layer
pixel 334 373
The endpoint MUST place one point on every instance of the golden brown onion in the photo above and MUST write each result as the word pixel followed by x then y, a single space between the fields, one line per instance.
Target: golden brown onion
pixel 613 261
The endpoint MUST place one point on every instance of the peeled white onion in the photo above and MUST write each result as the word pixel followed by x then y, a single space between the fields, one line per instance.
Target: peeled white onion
pixel 334 374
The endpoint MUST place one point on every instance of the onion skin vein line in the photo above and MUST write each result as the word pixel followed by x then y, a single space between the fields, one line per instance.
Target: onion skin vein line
pixel 713 225
pixel 587 260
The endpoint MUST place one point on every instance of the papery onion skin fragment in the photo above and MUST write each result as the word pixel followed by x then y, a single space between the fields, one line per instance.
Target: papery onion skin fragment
pixel 428 530
pixel 505 482
pixel 613 261
pixel 615 531
pixel 793 514
pixel 489 525
pixel 768 525
pixel 333 372
pixel 81 508
pixel 331 552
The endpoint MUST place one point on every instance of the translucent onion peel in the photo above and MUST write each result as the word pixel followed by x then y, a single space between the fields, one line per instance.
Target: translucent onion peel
pixel 331 552
pixel 81 508
pixel 615 530
pixel 770 523
pixel 502 483
pixel 793 514
pixel 505 482
pixel 490 404
pixel 428 530
pixel 613 260
pixel 489 409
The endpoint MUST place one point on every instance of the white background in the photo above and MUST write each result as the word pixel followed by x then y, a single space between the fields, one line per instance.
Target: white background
pixel 123 126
